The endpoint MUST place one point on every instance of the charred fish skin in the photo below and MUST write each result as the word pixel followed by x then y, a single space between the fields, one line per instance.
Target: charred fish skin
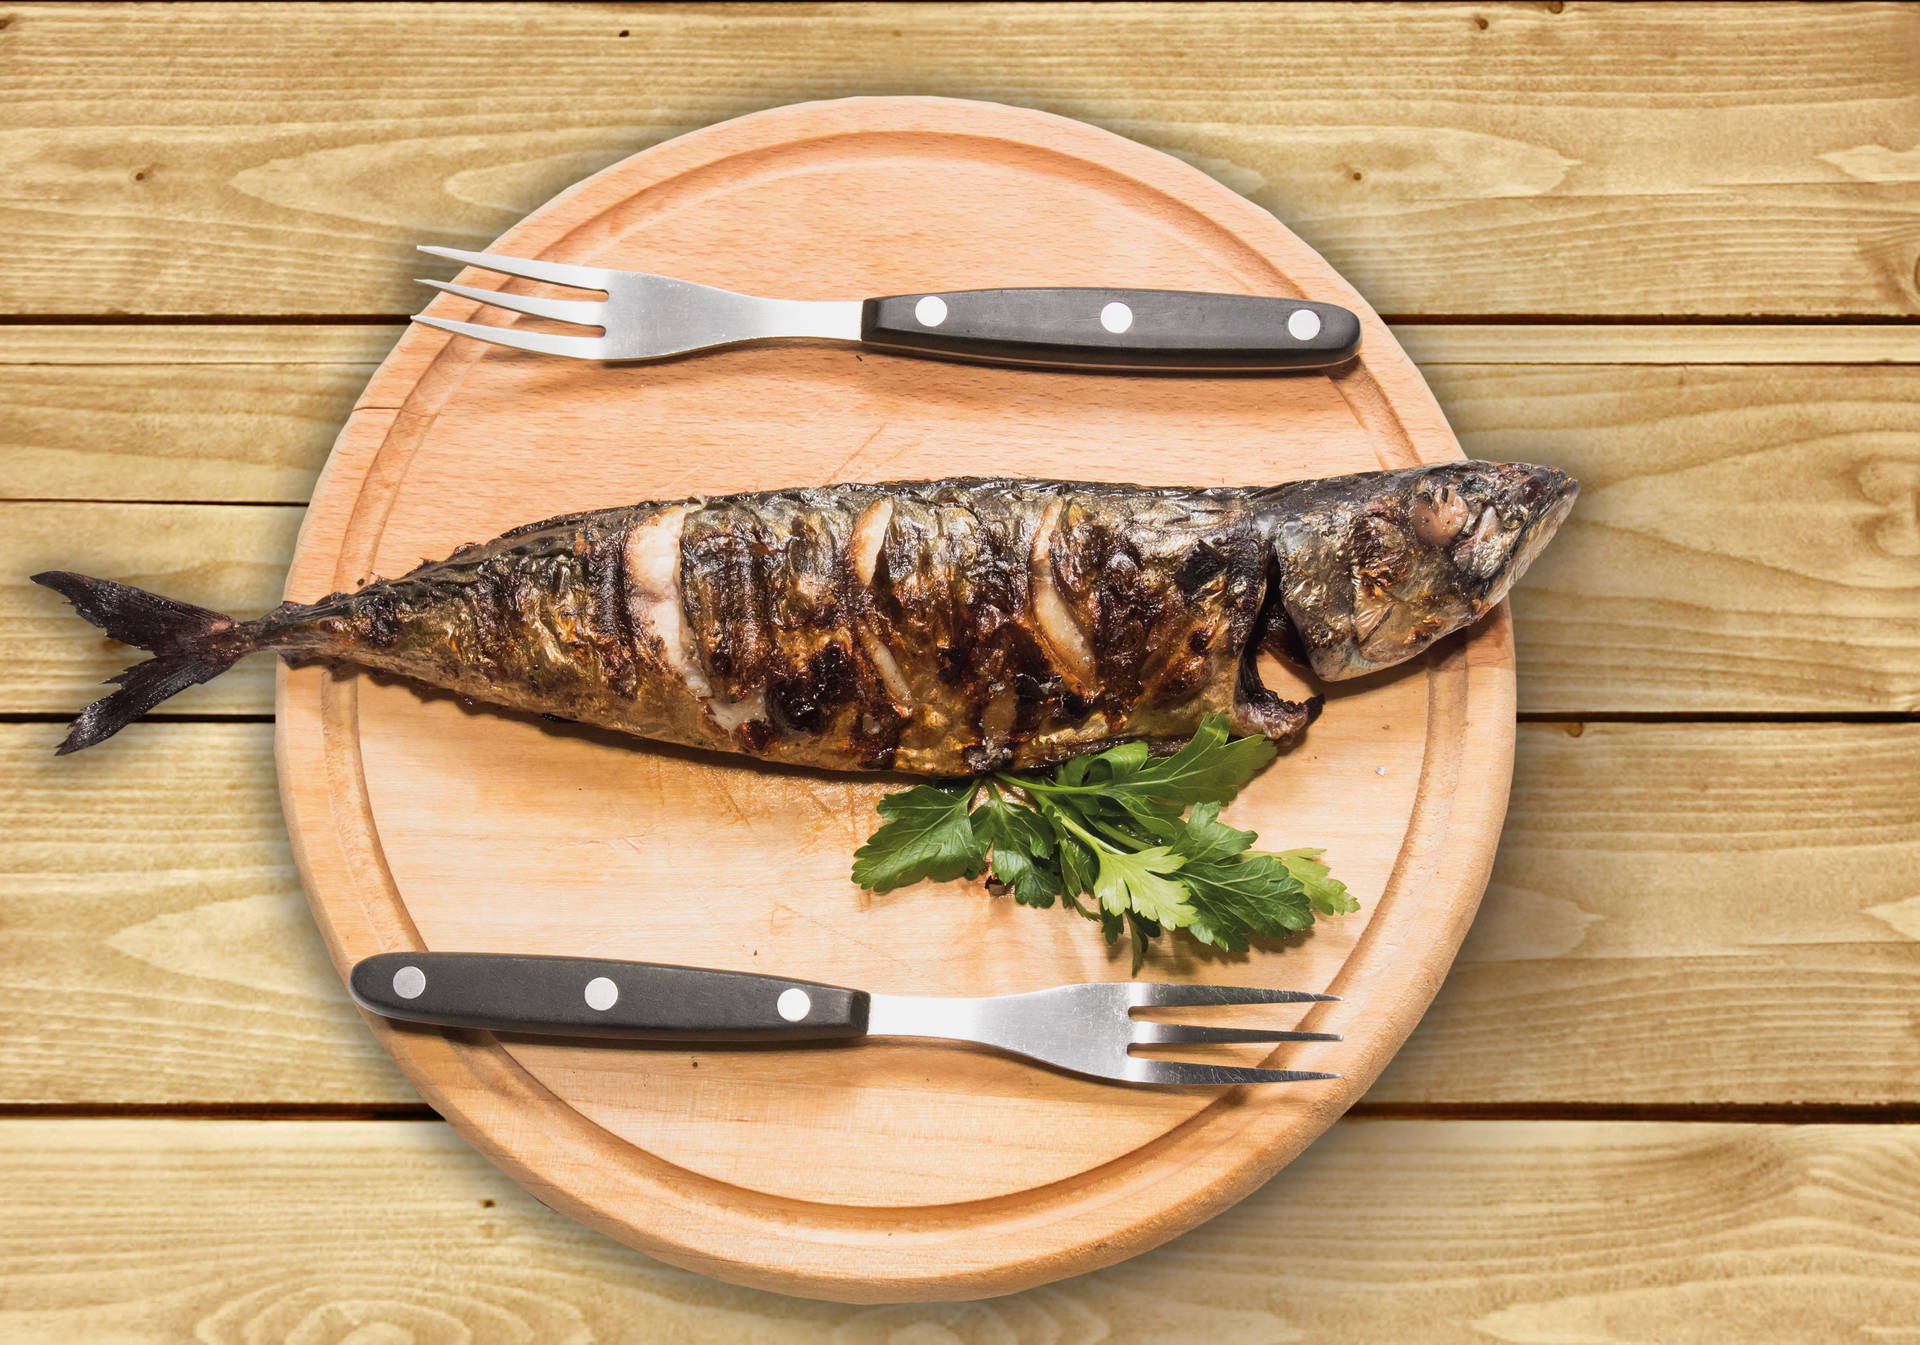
pixel 951 627
pixel 937 628
pixel 533 620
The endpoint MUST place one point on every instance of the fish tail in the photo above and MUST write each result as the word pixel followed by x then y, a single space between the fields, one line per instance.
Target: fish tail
pixel 189 645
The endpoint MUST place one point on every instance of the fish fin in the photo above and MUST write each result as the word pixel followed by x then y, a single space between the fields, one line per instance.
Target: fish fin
pixel 190 645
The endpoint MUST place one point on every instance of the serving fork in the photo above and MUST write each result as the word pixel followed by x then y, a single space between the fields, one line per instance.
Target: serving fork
pixel 1083 1029
pixel 647 317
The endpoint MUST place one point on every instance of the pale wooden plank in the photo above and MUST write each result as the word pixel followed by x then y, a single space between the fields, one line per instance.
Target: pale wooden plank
pixel 158 947
pixel 1690 913
pixel 230 558
pixel 1746 536
pixel 1745 539
pixel 1680 913
pixel 248 412
pixel 162 1230
pixel 182 413
pixel 1490 158
pixel 167 344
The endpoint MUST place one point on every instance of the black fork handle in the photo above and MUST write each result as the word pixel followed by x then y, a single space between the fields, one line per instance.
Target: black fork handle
pixel 1115 329
pixel 602 997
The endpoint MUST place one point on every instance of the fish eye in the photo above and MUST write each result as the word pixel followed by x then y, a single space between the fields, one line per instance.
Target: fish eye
pixel 1438 515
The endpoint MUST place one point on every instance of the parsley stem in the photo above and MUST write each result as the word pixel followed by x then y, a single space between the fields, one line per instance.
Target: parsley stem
pixel 1038 787
pixel 1063 818
pixel 1120 834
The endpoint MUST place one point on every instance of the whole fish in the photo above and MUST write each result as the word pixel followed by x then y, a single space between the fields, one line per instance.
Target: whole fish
pixel 936 627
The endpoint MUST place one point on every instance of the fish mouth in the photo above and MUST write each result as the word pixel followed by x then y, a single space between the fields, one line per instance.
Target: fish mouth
pixel 1405 623
pixel 1548 496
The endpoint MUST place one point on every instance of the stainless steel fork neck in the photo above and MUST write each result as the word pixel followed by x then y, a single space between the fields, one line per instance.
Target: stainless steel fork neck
pixel 673 315
pixel 831 318
pixel 1063 1026
pixel 945 1017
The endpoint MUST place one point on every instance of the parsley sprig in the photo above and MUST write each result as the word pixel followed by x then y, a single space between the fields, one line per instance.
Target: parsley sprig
pixel 1138 835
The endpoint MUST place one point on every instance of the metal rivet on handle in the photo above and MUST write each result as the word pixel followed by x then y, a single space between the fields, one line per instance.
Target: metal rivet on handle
pixel 602 994
pixel 930 311
pixel 1303 324
pixel 1116 317
pixel 793 1004
pixel 409 982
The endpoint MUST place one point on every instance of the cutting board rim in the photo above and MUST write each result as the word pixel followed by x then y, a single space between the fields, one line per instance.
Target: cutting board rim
pixel 855 1253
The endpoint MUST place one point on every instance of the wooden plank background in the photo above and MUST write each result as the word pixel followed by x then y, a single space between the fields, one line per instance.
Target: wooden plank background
pixel 1671 1090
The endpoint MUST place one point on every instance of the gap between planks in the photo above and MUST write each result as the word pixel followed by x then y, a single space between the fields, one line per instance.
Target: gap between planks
pixel 1535 339
pixel 1683 1113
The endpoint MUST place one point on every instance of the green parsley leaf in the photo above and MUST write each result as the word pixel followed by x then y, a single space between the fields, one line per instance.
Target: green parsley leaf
pixel 1141 882
pixel 1123 760
pixel 1012 826
pixel 1140 835
pixel 1248 894
pixel 1208 769
pixel 1206 838
pixel 1077 867
pixel 927 835
pixel 1152 818
pixel 1032 882
pixel 1144 932
pixel 1022 842
pixel 1328 894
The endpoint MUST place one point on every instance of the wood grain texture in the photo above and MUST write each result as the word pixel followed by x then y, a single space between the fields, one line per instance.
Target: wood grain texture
pixel 1682 915
pixel 1487 158
pixel 1668 902
pixel 1753 527
pixel 178 413
pixel 246 413
pixel 158 948
pixel 901 1173
pixel 232 559
pixel 1535 343
pixel 1535 1232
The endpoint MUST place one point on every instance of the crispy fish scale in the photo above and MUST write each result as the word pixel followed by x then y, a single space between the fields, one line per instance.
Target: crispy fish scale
pixel 534 619
pixel 1166 589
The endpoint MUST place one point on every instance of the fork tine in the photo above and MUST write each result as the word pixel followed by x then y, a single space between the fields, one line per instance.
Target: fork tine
pixel 1180 1072
pixel 586 312
pixel 1159 994
pixel 1169 1034
pixel 554 273
pixel 576 347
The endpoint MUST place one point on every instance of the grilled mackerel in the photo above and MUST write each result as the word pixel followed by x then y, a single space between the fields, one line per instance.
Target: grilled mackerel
pixel 938 627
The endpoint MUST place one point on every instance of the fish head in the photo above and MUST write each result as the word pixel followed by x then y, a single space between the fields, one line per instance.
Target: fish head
pixel 1372 569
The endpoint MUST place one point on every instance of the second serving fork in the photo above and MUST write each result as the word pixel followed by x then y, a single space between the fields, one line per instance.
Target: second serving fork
pixel 1084 1029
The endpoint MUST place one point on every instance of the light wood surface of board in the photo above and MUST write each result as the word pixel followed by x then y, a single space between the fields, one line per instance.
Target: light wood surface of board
pixel 1580 217
pixel 897 1170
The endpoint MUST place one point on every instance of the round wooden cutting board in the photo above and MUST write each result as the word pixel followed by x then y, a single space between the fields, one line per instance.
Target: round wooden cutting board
pixel 883 1171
